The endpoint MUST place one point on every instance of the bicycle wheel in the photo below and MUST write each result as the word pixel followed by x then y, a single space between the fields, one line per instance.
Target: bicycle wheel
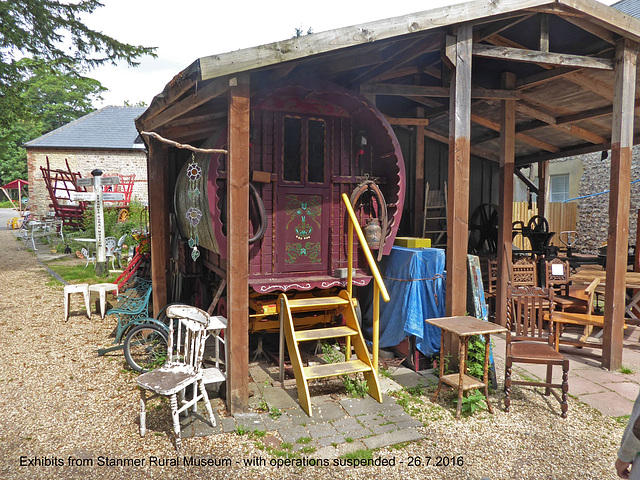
pixel 145 347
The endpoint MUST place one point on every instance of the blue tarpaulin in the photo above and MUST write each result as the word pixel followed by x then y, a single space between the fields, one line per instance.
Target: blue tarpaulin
pixel 415 280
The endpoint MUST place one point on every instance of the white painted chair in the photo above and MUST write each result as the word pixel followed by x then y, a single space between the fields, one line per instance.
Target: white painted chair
pixel 77 288
pixel 187 337
pixel 110 245
pixel 88 257
pixel 102 289
pixel 117 251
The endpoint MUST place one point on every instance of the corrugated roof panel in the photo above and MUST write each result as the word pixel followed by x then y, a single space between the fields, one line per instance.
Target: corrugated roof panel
pixel 107 128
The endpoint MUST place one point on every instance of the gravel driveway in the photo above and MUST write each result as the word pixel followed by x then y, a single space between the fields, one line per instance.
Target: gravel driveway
pixel 68 413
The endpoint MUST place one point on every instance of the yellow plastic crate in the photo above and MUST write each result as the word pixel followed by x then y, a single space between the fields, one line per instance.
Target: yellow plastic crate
pixel 413 242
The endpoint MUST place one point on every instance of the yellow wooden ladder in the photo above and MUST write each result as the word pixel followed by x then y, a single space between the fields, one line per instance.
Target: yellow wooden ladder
pixel 351 330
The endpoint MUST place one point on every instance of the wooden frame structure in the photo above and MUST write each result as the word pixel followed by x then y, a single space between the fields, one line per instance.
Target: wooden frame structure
pixel 499 85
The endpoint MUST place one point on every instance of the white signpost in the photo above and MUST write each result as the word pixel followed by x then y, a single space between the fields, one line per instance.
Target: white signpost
pixel 98 197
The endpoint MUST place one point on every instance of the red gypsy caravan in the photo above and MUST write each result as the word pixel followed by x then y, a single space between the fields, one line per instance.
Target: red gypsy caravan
pixel 311 145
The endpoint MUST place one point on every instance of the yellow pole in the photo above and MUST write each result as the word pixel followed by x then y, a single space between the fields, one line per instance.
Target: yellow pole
pixel 365 248
pixel 376 325
pixel 347 350
pixel 350 259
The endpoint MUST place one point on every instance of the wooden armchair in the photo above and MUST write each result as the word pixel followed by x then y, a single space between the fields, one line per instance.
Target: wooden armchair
pixel 528 342
pixel 557 278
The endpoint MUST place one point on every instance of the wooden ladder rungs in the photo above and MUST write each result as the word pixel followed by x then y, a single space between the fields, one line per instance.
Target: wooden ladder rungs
pixel 319 303
pixel 324 333
pixel 333 369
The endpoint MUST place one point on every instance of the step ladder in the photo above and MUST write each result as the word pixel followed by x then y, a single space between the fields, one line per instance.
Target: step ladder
pixel 434 224
pixel 351 331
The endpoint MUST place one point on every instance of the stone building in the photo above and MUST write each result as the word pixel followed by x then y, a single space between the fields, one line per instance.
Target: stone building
pixel 105 139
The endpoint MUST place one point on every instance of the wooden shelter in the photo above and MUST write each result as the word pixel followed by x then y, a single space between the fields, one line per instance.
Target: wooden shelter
pixel 474 92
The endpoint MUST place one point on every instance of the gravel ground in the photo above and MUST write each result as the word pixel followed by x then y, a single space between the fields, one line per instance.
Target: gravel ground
pixel 63 405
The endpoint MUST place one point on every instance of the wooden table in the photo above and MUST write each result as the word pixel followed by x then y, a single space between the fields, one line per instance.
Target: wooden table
pixel 597 279
pixel 465 327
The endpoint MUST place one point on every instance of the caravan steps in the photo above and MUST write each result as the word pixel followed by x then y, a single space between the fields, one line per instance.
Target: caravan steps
pixel 316 303
pixel 325 333
pixel 351 331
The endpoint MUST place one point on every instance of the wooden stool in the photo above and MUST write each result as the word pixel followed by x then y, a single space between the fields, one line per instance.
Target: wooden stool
pixel 77 288
pixel 102 289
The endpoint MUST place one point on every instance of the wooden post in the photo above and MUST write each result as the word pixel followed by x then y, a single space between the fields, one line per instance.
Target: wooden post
pixel 507 157
pixel 618 236
pixel 238 245
pixel 458 186
pixel 543 181
pixel 159 208
pixel 418 206
pixel 459 161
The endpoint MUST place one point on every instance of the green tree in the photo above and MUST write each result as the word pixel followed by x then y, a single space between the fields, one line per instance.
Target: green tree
pixel 50 30
pixel 45 52
pixel 53 99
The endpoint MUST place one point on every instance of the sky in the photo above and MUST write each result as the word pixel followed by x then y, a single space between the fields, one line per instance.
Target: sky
pixel 186 30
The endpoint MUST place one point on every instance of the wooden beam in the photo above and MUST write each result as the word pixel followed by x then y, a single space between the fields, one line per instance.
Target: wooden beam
pixel 523 178
pixel 580 132
pixel 544 33
pixel 543 77
pixel 202 95
pixel 520 136
pixel 422 90
pixel 459 168
pixel 570 129
pixel 407 121
pixel 480 34
pixel 505 239
pixel 534 56
pixel 566 152
pixel 619 196
pixel 231 63
pixel 178 86
pixel 586 25
pixel 400 57
pixel 397 73
pixel 159 209
pixel 479 152
pixel 238 245
pixel 418 220
pixel 426 101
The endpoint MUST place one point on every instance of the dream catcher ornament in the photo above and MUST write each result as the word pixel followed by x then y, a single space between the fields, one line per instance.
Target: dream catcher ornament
pixel 193 213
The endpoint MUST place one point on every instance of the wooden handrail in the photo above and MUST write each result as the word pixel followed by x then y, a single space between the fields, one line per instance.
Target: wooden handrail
pixel 379 287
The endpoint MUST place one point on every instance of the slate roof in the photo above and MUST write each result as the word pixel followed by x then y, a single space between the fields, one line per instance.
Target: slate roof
pixel 630 7
pixel 107 128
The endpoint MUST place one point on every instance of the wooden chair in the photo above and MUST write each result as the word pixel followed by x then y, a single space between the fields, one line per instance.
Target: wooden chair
pixel 557 273
pixel 183 367
pixel 528 342
pixel 524 272
pixel 490 281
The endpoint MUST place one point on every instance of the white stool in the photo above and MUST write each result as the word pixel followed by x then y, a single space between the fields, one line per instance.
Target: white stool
pixel 82 288
pixel 102 289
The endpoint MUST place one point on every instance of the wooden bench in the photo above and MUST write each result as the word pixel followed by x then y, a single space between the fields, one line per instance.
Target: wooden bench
pixel 582 319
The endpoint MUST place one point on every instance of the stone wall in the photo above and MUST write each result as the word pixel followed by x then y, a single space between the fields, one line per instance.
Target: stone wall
pixel 593 211
pixel 125 162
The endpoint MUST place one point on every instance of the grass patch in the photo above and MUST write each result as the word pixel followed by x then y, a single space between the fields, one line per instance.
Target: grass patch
pixel 74 272
pixel 275 413
pixel 625 370
pixel 304 440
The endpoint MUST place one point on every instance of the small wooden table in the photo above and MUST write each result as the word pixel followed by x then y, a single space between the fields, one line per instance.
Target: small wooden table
pixel 465 327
